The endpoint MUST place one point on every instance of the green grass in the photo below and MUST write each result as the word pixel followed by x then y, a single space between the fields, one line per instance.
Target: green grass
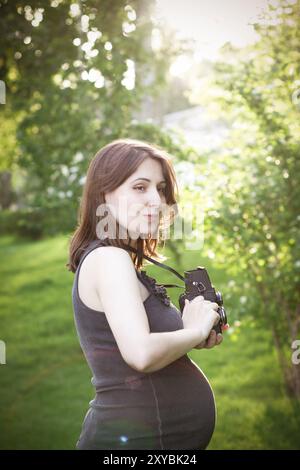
pixel 45 385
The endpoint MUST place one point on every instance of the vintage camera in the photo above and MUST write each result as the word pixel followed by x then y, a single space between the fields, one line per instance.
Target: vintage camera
pixel 197 283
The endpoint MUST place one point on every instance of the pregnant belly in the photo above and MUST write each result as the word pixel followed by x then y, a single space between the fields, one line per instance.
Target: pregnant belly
pixel 187 405
pixel 173 408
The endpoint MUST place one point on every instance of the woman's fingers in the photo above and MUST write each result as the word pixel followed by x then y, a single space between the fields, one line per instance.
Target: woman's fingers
pixel 199 298
pixel 215 306
pixel 211 340
pixel 214 339
pixel 219 338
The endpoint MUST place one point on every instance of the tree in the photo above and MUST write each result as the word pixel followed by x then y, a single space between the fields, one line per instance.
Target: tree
pixel 72 72
pixel 255 220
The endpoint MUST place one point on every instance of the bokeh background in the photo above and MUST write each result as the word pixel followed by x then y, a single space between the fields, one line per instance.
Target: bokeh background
pixel 217 84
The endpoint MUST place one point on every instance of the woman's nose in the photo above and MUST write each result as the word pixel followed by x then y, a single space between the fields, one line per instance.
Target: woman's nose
pixel 155 198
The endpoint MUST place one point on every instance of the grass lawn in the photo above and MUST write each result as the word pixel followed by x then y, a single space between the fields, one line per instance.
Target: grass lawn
pixel 45 385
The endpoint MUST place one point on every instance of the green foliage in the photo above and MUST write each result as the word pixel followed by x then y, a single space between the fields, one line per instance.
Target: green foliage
pixel 67 69
pixel 38 222
pixel 9 146
pixel 255 219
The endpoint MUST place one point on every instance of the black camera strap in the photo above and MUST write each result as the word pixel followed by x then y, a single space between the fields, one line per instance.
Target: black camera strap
pixel 161 265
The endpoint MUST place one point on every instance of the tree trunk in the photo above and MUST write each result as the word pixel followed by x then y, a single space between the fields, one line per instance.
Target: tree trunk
pixel 290 371
pixel 6 192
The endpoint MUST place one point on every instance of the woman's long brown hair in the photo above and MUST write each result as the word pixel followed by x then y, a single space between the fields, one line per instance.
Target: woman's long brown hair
pixel 110 167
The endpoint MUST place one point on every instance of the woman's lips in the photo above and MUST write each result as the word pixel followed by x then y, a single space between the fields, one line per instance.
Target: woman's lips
pixel 151 217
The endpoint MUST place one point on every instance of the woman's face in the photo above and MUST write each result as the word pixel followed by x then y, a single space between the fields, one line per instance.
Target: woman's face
pixel 141 194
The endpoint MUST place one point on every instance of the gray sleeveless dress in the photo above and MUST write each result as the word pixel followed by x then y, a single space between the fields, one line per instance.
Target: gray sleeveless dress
pixel 171 408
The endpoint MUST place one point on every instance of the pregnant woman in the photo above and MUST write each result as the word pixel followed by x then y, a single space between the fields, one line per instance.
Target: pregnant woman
pixel 148 393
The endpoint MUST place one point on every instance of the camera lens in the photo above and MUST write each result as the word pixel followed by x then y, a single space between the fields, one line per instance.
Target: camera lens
pixel 223 316
pixel 219 298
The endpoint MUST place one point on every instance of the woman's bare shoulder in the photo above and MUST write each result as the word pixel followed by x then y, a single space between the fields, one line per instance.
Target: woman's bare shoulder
pixel 110 258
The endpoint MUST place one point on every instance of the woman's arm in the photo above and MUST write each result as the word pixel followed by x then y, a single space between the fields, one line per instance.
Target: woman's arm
pixel 169 346
pixel 117 284
pixel 164 348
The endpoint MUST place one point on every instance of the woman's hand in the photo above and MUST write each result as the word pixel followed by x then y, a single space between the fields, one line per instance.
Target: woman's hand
pixel 200 315
pixel 211 341
pixel 214 339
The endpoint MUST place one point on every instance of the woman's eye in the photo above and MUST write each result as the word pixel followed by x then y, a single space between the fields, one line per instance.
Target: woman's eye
pixel 142 187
